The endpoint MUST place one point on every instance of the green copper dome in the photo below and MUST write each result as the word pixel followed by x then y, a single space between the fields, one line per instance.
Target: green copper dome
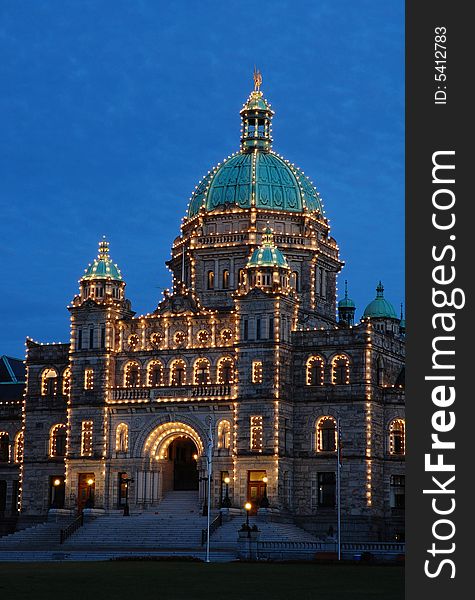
pixel 256 176
pixel 268 255
pixel 102 267
pixel 380 308
pixel 346 302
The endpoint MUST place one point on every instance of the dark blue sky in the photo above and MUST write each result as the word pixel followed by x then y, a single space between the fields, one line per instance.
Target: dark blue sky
pixel 112 111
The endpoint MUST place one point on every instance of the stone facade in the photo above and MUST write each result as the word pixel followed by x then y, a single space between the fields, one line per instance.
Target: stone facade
pixel 253 353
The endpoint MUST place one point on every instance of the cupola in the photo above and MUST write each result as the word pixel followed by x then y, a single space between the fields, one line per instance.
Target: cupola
pixel 102 279
pixel 346 308
pixel 267 267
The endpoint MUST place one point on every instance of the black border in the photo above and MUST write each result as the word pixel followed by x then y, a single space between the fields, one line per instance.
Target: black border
pixel 430 128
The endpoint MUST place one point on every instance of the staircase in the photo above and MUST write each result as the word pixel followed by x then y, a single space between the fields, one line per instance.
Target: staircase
pixel 173 528
pixel 44 535
pixel 177 523
pixel 225 536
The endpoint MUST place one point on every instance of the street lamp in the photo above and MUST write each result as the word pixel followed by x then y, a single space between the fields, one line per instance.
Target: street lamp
pixel 89 501
pixel 126 482
pixel 226 503
pixel 248 507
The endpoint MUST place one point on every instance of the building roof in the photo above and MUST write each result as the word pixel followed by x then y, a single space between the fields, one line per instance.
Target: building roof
pixel 12 378
pixel 380 308
pixel 268 255
pixel 102 267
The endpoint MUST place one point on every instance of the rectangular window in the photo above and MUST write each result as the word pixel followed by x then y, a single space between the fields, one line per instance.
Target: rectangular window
pixel 256 433
pixel 258 329
pixel 89 379
pixel 327 490
pixel 86 438
pixel 257 371
pixel 103 337
pixel 246 329
pixel 271 328
pixel 91 337
pixel 398 491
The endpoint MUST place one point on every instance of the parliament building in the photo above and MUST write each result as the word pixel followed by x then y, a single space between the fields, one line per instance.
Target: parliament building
pixel 248 351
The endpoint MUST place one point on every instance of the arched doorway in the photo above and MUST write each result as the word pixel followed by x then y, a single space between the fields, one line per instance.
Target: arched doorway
pixel 184 454
pixel 173 454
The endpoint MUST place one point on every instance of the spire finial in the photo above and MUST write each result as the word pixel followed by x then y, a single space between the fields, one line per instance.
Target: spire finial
pixel 380 290
pixel 103 248
pixel 346 288
pixel 257 79
pixel 402 311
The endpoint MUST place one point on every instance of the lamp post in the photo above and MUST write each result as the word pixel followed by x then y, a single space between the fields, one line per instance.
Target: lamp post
pixel 89 501
pixel 248 507
pixel 226 503
pixel 126 481
pixel 56 484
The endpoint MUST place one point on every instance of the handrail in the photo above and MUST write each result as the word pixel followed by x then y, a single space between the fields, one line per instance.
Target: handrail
pixel 217 522
pixel 71 528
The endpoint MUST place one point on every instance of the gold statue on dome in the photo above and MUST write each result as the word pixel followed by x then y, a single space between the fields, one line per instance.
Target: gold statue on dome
pixel 257 79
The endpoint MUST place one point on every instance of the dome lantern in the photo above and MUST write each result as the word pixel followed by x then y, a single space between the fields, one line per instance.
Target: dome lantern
pixel 256 115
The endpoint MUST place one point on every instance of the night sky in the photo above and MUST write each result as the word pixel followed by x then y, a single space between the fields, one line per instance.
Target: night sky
pixel 112 111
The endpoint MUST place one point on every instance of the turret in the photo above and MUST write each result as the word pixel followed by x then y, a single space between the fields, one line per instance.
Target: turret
pixel 346 308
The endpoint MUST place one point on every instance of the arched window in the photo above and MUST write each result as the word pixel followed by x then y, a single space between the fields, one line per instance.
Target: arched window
pixel 201 372
pixel 241 277
pixel 224 434
pixel 178 372
pixel 225 279
pixel 226 370
pixel 397 437
pixel 294 281
pixel 57 440
pixel 154 373
pixel 211 280
pixel 4 446
pixel 49 382
pixel 19 447
pixel 315 370
pixel 326 434
pixel 66 388
pixel 132 375
pixel 340 370
pixel 122 438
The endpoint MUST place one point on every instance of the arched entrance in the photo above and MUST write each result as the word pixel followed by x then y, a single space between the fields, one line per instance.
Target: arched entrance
pixel 184 454
pixel 174 461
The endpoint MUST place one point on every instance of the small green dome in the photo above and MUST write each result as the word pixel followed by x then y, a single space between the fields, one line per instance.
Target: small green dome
pixel 268 255
pixel 102 267
pixel 346 303
pixel 380 308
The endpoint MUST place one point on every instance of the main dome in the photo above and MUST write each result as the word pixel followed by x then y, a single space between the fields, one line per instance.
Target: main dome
pixel 256 176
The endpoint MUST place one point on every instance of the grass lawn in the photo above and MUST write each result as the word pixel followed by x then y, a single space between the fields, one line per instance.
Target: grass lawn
pixel 189 581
